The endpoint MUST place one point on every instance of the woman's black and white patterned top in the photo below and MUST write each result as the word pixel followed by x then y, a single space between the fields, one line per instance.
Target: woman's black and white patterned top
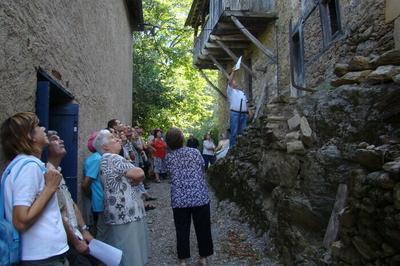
pixel 188 186
pixel 122 201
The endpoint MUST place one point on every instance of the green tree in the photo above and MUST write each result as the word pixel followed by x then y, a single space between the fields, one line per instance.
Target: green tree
pixel 168 91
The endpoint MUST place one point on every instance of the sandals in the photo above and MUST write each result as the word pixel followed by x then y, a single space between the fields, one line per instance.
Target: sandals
pixel 149 207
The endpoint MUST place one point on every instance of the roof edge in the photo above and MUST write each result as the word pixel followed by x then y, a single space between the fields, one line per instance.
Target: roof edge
pixel 135 14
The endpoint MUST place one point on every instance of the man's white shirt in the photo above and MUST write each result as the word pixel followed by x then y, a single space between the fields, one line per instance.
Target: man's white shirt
pixel 236 96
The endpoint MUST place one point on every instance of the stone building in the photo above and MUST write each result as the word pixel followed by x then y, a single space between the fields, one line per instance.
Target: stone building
pixel 317 171
pixel 71 63
pixel 322 33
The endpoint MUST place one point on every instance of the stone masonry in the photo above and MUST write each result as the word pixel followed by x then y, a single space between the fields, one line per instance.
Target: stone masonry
pixel 286 170
pixel 319 175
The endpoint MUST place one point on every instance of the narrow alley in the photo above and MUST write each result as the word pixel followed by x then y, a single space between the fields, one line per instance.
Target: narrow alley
pixel 294 103
pixel 235 243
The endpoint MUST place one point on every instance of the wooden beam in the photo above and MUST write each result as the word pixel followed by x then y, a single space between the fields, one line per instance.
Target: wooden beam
pixel 206 57
pixel 332 231
pixel 232 45
pixel 234 57
pixel 211 84
pixel 231 37
pixel 251 14
pixel 253 39
pixel 220 67
pixel 206 51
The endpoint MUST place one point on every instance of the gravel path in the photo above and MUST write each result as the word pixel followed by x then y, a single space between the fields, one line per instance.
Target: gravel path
pixel 235 243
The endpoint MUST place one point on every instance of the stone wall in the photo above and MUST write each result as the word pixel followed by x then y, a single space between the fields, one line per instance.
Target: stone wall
pixel 88 43
pixel 319 175
pixel 364 32
pixel 286 169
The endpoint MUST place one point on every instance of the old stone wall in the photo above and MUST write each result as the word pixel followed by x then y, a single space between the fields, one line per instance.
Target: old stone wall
pixel 88 43
pixel 319 175
pixel 286 169
pixel 363 32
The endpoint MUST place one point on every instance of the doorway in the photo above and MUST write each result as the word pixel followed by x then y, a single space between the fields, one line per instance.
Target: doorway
pixel 57 111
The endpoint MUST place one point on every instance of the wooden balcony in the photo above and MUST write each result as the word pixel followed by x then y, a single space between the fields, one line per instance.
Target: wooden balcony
pixel 223 28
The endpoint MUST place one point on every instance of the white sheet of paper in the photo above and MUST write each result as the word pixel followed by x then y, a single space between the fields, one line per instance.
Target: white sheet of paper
pixel 237 66
pixel 109 255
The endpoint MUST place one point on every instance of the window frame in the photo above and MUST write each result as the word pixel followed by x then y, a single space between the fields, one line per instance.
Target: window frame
pixel 299 79
pixel 326 21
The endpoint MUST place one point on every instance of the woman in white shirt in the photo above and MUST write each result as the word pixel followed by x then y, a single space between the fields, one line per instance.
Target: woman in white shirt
pixel 208 150
pixel 222 147
pixel 33 209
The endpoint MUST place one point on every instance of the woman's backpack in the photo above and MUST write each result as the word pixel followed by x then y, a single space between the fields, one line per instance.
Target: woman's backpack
pixel 10 246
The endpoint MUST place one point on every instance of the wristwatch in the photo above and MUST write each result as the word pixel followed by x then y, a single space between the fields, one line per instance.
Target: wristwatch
pixel 84 228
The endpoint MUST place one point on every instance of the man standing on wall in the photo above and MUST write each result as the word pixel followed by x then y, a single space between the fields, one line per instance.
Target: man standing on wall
pixel 238 108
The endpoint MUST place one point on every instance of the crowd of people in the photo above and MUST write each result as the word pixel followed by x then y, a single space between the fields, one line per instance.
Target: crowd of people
pixel 36 201
pixel 116 179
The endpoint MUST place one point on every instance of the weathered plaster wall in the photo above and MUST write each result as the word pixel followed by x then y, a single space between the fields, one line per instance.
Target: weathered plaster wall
pixel 392 13
pixel 222 108
pixel 264 84
pixel 87 42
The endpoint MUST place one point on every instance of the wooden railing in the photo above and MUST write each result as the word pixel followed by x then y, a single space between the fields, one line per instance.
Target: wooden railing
pixel 213 18
pixel 217 8
pixel 248 5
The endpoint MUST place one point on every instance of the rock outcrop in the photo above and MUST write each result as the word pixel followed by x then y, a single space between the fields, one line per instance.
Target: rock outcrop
pixel 285 174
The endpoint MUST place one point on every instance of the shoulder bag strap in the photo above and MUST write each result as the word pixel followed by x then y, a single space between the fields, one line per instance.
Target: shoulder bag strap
pixel 7 172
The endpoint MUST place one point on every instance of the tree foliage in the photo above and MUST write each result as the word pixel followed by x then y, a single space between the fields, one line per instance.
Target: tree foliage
pixel 168 91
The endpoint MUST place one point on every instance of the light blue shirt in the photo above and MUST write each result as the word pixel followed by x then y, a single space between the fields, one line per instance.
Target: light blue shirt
pixel 92 170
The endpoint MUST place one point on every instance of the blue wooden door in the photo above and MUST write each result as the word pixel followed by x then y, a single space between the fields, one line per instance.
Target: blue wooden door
pixel 64 119
pixel 42 107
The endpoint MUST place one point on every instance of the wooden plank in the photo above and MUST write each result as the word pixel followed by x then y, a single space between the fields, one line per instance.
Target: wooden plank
pixel 253 39
pixel 231 37
pixel 235 58
pixel 232 45
pixel 332 231
pixel 251 14
pixel 206 57
pixel 207 52
pixel 219 66
pixel 237 5
pixel 211 84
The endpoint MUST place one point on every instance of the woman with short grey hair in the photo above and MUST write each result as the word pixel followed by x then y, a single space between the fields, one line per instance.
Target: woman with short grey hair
pixel 101 139
pixel 123 207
